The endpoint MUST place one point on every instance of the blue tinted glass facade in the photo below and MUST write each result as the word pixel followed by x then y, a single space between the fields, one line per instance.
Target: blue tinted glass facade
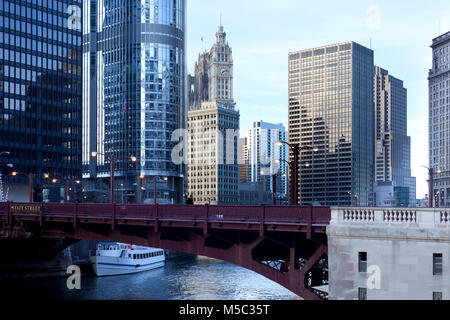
pixel 134 93
pixel 40 88
pixel 331 107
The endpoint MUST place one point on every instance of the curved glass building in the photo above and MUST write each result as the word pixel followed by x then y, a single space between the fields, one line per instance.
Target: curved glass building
pixel 133 96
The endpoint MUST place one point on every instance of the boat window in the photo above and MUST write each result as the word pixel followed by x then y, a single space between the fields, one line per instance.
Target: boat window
pixel 134 256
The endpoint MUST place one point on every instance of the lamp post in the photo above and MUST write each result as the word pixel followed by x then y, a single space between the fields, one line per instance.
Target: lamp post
pixel 154 187
pixel 437 199
pixel 66 182
pixel 111 172
pixel 356 200
pixel 290 165
pixel 431 172
pixel 30 183
pixel 349 199
pixel 296 149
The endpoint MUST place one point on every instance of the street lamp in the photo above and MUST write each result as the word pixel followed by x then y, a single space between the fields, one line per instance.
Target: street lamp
pixel 67 183
pixel 111 162
pixel 431 172
pixel 356 200
pixel 154 186
pixel 30 183
pixel 6 153
pixel 437 199
pixel 349 199
pixel 296 149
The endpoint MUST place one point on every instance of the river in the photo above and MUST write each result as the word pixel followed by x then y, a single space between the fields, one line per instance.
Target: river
pixel 182 278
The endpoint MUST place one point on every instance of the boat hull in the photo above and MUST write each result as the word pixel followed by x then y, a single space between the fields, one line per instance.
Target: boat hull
pixel 104 268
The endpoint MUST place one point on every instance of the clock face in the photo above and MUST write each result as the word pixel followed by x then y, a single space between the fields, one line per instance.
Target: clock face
pixel 223 72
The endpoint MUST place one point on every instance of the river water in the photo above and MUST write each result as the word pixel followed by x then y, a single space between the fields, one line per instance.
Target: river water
pixel 182 278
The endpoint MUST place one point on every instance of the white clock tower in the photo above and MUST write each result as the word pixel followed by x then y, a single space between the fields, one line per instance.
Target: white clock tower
pixel 221 71
pixel 213 170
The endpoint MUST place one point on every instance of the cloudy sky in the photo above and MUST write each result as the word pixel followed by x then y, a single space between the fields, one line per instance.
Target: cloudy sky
pixel 263 32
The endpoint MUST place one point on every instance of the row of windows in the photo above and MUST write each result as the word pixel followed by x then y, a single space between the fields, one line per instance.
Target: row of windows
pixel 145 255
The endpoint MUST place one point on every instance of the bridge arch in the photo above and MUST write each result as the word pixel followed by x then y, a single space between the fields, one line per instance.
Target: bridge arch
pixel 242 250
pixel 284 244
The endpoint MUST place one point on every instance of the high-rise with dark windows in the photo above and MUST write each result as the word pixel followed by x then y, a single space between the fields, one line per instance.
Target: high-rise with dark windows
pixel 392 143
pixel 40 95
pixel 331 107
pixel 134 96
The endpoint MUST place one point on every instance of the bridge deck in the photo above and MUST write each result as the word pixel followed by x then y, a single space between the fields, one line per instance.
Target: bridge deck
pixel 276 218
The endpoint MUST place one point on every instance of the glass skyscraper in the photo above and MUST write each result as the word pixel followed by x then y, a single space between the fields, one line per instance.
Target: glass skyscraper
pixel 134 94
pixel 331 107
pixel 40 94
pixel 267 158
pixel 392 143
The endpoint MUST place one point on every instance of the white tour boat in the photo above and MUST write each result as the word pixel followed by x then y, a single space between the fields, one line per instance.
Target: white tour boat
pixel 113 259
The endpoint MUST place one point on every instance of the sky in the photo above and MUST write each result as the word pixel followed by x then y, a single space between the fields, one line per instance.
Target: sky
pixel 263 32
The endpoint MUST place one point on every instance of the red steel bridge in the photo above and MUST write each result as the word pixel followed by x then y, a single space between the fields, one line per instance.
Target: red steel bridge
pixel 286 244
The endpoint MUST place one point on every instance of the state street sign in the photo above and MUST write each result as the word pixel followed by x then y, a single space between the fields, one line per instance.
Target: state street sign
pixel 31 208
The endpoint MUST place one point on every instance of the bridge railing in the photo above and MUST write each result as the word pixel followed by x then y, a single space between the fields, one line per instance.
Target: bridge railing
pixel 298 214
pixel 180 212
pixel 135 211
pixel 236 214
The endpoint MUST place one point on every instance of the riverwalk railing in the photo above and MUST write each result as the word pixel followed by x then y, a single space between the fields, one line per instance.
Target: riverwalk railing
pixel 395 217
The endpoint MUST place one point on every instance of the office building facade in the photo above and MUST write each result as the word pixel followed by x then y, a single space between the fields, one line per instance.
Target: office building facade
pixel 134 95
pixel 392 145
pixel 40 96
pixel 331 108
pixel 243 160
pixel 439 124
pixel 213 169
pixel 266 157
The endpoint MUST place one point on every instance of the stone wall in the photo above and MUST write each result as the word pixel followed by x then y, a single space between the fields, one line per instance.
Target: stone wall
pixel 399 244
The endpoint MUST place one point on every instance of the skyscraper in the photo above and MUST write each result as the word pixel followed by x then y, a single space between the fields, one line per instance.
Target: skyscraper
pixel 243 160
pixel 331 108
pixel 40 99
pixel 213 170
pixel 393 146
pixel 134 95
pixel 439 123
pixel 267 158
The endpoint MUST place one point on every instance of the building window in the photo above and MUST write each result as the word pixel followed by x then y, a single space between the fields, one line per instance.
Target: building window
pixel 437 264
pixel 362 293
pixel 363 262
pixel 437 295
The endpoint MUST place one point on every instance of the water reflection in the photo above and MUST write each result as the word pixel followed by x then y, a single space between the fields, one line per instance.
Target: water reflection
pixel 192 278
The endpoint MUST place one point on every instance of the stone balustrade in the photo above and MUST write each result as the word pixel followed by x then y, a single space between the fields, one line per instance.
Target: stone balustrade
pixel 396 217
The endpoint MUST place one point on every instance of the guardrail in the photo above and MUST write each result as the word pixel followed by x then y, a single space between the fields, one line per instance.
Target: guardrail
pixel 113 213
pixel 405 217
